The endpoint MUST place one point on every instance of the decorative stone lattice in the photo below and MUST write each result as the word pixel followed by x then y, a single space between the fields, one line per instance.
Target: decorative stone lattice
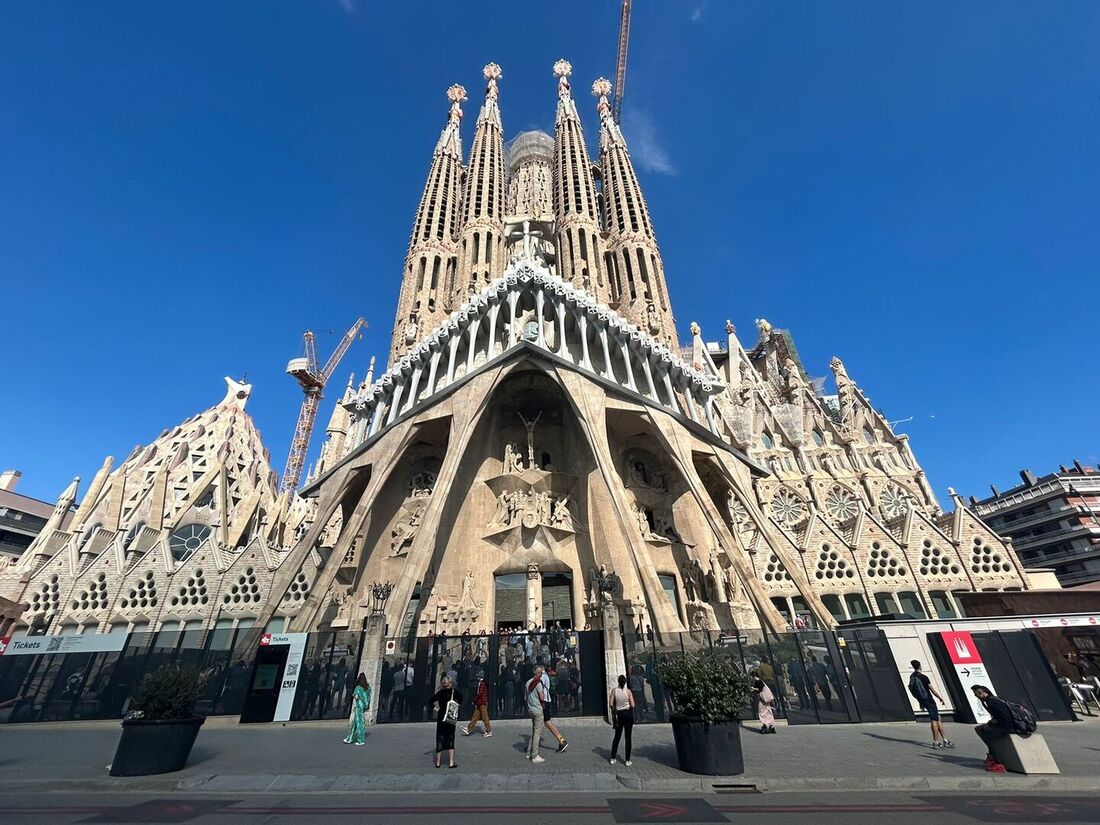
pixel 142 594
pixel 893 502
pixel 934 562
pixel 299 589
pixel 193 593
pixel 831 565
pixel 984 559
pixel 94 597
pixel 775 571
pixel 841 504
pixel 48 597
pixel 787 508
pixel 246 590
pixel 882 563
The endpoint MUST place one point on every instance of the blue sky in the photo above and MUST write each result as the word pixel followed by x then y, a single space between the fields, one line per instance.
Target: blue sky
pixel 912 186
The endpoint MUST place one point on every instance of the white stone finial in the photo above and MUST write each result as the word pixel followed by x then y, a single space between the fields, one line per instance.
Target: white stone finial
pixel 456 94
pixel 601 88
pixel 730 328
pixel 492 73
pixel 695 328
pixel 236 393
pixel 562 70
pixel 763 327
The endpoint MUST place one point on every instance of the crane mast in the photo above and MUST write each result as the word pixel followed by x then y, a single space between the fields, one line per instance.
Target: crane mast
pixel 620 61
pixel 312 381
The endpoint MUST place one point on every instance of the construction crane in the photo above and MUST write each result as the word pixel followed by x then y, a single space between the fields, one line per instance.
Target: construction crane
pixel 620 61
pixel 312 381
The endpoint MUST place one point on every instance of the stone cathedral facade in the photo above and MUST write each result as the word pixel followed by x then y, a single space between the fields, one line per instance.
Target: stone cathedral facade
pixel 539 427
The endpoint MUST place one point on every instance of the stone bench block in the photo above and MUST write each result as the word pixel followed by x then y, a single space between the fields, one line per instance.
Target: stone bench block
pixel 1024 754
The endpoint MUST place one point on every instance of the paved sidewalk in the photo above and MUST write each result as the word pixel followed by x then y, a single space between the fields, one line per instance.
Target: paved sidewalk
pixel 310 757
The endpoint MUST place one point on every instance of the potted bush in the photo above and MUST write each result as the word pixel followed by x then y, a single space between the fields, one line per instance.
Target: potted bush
pixel 161 726
pixel 710 695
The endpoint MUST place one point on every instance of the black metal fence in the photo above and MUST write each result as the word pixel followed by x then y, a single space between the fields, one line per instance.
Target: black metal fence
pixel 817 677
pixel 413 669
pixel 75 686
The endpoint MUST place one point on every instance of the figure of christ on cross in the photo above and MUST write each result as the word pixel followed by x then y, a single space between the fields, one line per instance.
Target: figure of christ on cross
pixel 530 425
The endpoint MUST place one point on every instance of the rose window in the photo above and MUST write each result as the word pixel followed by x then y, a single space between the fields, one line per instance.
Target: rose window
pixel 787 508
pixel 893 501
pixel 187 539
pixel 841 505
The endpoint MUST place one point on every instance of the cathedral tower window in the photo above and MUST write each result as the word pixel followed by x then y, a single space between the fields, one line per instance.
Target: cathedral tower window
pixel 48 597
pixel 775 571
pixel 933 561
pixel 94 597
pixel 187 539
pixel 299 588
pixel 142 594
pixel 882 564
pixel 984 559
pixel 246 590
pixel 830 565
pixel 193 593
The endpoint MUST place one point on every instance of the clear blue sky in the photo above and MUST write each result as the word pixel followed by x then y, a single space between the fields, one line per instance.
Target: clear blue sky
pixel 186 187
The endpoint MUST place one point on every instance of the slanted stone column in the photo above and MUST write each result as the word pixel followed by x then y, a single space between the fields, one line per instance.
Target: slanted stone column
pixel 534 596
pixel 614 660
pixel 371 663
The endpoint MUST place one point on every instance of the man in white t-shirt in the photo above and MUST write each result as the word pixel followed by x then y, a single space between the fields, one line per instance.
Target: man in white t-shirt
pixel 537 695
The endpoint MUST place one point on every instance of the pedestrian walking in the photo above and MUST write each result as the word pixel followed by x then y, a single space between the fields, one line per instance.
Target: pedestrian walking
pixel 481 707
pixel 548 714
pixel 397 696
pixel 922 689
pixel 1005 718
pixel 621 703
pixel 765 708
pixel 538 699
pixel 446 701
pixel 357 728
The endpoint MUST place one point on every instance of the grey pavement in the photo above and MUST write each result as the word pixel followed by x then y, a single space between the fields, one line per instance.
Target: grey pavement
pixel 310 757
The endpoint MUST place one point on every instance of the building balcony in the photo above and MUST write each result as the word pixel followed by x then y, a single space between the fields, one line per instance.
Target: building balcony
pixel 1074 531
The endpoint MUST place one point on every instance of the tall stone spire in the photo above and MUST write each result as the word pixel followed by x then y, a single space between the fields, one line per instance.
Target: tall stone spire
pixel 634 265
pixel 580 258
pixel 481 243
pixel 431 261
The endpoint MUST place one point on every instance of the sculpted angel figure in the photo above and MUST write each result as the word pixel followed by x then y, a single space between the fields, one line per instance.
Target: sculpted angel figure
pixel 513 463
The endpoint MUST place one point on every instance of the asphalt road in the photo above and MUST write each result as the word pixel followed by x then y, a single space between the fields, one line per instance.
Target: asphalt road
pixel 856 808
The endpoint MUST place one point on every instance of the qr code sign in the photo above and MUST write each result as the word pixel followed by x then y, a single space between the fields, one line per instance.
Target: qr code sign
pixel 291 670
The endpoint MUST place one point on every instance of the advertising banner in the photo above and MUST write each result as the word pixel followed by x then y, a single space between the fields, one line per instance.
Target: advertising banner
pixel 41 645
pixel 297 644
pixel 1061 621
pixel 969 667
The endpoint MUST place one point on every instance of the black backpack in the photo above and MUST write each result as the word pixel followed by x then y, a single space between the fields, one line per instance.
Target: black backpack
pixel 917 688
pixel 1023 720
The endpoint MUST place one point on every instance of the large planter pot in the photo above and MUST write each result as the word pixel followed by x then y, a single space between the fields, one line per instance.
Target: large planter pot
pixel 154 745
pixel 712 750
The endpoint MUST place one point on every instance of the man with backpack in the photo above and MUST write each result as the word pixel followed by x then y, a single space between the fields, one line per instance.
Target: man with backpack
pixel 1006 718
pixel 920 686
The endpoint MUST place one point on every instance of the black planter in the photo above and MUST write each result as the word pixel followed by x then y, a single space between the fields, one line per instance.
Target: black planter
pixel 154 745
pixel 712 750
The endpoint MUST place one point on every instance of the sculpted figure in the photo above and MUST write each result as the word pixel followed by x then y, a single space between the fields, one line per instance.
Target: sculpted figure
pixel 512 461
pixel 562 518
pixel 403 533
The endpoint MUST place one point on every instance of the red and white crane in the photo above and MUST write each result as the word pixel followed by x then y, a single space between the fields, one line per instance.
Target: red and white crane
pixel 312 381
pixel 620 61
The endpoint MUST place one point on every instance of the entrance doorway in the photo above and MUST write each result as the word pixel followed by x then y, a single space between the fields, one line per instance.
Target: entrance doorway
pixel 557 600
pixel 510 609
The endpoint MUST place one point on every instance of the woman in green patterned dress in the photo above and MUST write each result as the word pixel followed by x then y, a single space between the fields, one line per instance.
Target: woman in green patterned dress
pixel 357 730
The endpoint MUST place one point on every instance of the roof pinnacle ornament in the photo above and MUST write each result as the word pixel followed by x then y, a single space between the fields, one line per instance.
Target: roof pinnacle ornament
pixel 456 94
pixel 601 88
pixel 562 70
pixel 492 73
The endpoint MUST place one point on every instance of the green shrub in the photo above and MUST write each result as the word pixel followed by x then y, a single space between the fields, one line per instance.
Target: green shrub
pixel 705 685
pixel 169 692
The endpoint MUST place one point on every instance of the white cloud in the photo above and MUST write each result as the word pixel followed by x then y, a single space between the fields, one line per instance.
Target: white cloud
pixel 645 146
pixel 347 5
pixel 697 12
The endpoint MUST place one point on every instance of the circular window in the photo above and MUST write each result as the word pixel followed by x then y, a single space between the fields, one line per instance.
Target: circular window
pixel 187 539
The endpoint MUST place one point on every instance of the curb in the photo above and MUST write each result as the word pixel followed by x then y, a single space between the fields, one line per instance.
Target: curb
pixel 546 783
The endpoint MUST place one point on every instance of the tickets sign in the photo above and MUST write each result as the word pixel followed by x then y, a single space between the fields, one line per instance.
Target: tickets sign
pixel 291 670
pixel 49 645
pixel 967 662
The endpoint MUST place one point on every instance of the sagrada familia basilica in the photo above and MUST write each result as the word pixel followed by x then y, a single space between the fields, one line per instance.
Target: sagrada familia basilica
pixel 540 432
